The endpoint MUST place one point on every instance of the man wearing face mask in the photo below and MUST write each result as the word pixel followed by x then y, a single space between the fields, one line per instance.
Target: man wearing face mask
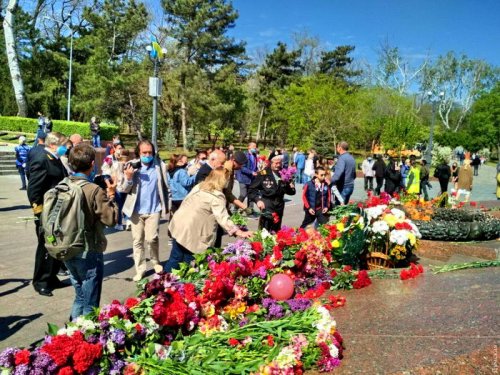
pixel 147 201
pixel 46 171
pixel 247 173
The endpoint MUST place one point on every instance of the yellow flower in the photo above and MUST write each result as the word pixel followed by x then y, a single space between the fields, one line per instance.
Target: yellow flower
pixel 412 238
pixel 340 227
pixel 235 309
pixel 335 244
pixel 391 220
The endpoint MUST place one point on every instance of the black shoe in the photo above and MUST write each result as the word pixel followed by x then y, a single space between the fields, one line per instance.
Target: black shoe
pixel 23 188
pixel 45 292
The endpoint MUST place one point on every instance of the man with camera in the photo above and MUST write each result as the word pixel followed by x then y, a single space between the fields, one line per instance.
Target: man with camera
pixel 147 200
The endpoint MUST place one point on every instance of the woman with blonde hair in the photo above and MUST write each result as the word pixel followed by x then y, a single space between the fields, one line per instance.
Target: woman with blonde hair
pixel 194 225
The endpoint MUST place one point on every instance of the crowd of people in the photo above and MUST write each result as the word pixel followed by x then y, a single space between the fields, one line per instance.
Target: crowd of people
pixel 196 196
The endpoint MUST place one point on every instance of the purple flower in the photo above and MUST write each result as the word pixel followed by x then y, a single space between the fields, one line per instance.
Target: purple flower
pixel 299 304
pixel 104 324
pixel 274 310
pixel 287 174
pixel 21 370
pixel 7 357
pixel 118 336
pixel 239 249
pixel 243 322
pixel 93 339
pixel 116 367
pixel 42 361
pixel 261 272
pixel 328 364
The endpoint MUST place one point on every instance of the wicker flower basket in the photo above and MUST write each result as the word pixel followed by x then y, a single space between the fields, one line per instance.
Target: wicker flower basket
pixel 378 257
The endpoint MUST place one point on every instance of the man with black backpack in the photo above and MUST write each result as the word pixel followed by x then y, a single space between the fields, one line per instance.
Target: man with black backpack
pixel 45 171
pixel 99 209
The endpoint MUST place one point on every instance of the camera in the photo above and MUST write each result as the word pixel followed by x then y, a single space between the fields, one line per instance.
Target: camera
pixel 134 164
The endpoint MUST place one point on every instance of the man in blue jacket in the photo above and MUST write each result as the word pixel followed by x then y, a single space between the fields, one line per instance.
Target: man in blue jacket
pixel 342 183
pixel 247 173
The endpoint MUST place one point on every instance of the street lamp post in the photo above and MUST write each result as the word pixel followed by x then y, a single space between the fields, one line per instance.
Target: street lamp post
pixel 434 100
pixel 157 56
pixel 70 63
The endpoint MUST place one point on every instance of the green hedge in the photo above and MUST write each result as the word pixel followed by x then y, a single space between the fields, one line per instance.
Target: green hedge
pixel 30 125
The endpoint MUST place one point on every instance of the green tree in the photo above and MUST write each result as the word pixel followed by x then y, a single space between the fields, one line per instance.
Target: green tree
pixel 280 68
pixel 199 28
pixel 338 63
pixel 461 80
pixel 484 121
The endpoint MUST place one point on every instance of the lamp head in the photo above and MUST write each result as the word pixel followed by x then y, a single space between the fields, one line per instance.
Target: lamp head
pixel 149 48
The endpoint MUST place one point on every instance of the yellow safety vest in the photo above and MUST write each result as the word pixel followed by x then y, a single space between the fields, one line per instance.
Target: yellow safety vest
pixel 414 187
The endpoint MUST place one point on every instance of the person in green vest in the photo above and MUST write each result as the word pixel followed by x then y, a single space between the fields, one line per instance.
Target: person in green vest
pixel 413 179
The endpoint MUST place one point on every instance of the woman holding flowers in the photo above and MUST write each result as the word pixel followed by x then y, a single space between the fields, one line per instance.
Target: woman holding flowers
pixel 194 225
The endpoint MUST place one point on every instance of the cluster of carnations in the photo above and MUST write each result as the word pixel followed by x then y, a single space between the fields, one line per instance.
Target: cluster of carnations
pixel 412 272
pixel 288 174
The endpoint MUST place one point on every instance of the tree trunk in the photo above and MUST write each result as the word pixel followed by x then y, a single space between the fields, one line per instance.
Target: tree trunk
pixel 183 111
pixel 257 137
pixel 10 47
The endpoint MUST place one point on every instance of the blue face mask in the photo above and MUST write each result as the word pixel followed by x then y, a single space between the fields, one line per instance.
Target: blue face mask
pixel 61 150
pixel 253 151
pixel 146 159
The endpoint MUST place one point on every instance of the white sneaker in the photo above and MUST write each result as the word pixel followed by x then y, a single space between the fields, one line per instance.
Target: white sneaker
pixel 119 227
pixel 137 277
pixel 158 268
pixel 128 225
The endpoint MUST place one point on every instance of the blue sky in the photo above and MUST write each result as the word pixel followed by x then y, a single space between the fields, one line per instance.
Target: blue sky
pixel 417 27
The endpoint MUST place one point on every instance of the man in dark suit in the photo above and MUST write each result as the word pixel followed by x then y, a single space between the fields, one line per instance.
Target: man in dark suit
pixel 45 171
pixel 268 191
pixel 39 147
pixel 215 160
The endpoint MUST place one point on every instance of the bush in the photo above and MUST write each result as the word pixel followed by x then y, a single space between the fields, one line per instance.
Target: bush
pixel 30 125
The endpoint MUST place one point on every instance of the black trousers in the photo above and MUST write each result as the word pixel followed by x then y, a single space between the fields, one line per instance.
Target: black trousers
pixel 380 183
pixel 444 185
pixel 368 182
pixel 46 267
pixel 309 219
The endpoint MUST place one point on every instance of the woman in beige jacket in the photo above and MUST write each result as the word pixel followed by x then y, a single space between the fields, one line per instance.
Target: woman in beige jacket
pixel 194 224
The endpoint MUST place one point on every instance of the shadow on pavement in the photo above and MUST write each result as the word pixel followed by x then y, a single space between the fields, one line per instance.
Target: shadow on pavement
pixel 13 208
pixel 23 283
pixel 117 261
pixel 11 324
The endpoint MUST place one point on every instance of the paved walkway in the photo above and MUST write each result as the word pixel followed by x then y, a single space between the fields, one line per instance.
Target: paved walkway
pixel 393 325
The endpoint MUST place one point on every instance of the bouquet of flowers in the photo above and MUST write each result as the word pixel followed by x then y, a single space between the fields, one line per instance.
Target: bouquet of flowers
pixel 287 174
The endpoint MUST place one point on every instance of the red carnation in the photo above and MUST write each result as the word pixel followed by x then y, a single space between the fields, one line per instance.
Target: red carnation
pixel 131 302
pixel 233 342
pixel 22 357
pixel 276 218
pixel 333 273
pixel 257 247
pixel 66 371
pixel 278 255
pixel 362 280
pixel 270 340
pixel 85 355
pixel 404 274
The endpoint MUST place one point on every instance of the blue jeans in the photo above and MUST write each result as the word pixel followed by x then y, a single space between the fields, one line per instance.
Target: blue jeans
pixel 22 173
pixel 96 140
pixel 299 177
pixel 346 193
pixel 178 255
pixel 86 275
